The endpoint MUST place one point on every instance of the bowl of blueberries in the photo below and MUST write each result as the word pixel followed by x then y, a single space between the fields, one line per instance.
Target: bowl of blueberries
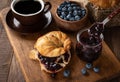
pixel 71 16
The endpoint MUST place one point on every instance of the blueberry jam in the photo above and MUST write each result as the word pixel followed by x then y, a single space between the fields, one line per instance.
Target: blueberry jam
pixel 96 29
pixel 89 48
pixel 51 63
pixel 70 11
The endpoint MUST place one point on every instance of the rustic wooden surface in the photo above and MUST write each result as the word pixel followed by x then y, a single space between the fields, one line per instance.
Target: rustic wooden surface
pixel 5 56
pixel 13 73
pixel 6 51
pixel 111 68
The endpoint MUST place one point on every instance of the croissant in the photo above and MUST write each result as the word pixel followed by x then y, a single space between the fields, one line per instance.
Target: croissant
pixel 53 51
pixel 105 3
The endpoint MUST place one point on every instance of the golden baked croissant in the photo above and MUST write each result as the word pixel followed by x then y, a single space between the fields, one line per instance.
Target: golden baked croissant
pixel 105 3
pixel 53 51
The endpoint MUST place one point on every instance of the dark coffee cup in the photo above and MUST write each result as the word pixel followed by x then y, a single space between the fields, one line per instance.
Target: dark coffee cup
pixel 29 12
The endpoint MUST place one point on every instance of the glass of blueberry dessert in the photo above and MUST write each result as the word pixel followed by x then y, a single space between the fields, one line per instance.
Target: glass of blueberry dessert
pixel 89 46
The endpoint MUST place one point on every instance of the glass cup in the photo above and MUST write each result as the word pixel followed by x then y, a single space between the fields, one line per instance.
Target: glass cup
pixel 88 47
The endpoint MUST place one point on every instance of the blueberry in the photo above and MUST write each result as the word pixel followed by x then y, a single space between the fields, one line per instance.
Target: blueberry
pixel 79 12
pixel 77 17
pixel 70 9
pixel 72 19
pixel 64 9
pixel 66 73
pixel 65 18
pixel 96 69
pixel 84 71
pixel 61 16
pixel 59 8
pixel 82 9
pixel 46 63
pixel 70 12
pixel 68 5
pixel 88 65
pixel 59 13
pixel 74 7
pixel 54 65
pixel 68 16
pixel 75 12
pixel 83 13
pixel 78 8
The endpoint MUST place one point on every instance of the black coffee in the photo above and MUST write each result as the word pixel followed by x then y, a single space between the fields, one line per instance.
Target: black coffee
pixel 27 7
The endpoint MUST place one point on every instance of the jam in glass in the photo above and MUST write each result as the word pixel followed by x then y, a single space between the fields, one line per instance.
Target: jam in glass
pixel 88 47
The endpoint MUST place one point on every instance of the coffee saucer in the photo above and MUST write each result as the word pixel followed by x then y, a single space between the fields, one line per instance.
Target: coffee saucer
pixel 14 24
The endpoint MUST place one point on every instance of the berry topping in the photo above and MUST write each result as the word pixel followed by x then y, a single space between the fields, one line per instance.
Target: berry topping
pixel 53 63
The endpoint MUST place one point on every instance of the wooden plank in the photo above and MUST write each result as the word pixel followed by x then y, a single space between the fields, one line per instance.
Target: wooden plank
pixel 22 44
pixel 6 53
pixel 15 74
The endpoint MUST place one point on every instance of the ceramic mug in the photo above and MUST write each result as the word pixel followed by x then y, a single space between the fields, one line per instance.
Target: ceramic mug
pixel 29 12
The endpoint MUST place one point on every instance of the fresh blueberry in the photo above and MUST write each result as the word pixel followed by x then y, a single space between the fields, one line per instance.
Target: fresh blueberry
pixel 75 12
pixel 59 8
pixel 84 71
pixel 83 13
pixel 82 9
pixel 77 17
pixel 79 12
pixel 70 8
pixel 64 9
pixel 88 65
pixel 72 19
pixel 66 73
pixel 96 69
pixel 70 12
pixel 59 13
pixel 68 16
pixel 78 8
pixel 65 18
pixel 68 5
pixel 74 7
pixel 61 16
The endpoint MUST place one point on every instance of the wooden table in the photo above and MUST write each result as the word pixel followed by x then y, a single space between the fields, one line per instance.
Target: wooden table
pixel 110 66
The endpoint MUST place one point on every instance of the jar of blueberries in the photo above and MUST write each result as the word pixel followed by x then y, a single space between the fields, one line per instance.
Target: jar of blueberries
pixel 71 16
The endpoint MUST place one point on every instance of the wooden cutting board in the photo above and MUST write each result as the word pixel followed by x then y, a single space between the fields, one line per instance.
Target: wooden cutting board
pixel 22 44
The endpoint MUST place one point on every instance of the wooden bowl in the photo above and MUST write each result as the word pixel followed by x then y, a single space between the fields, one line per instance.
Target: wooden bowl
pixel 72 25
